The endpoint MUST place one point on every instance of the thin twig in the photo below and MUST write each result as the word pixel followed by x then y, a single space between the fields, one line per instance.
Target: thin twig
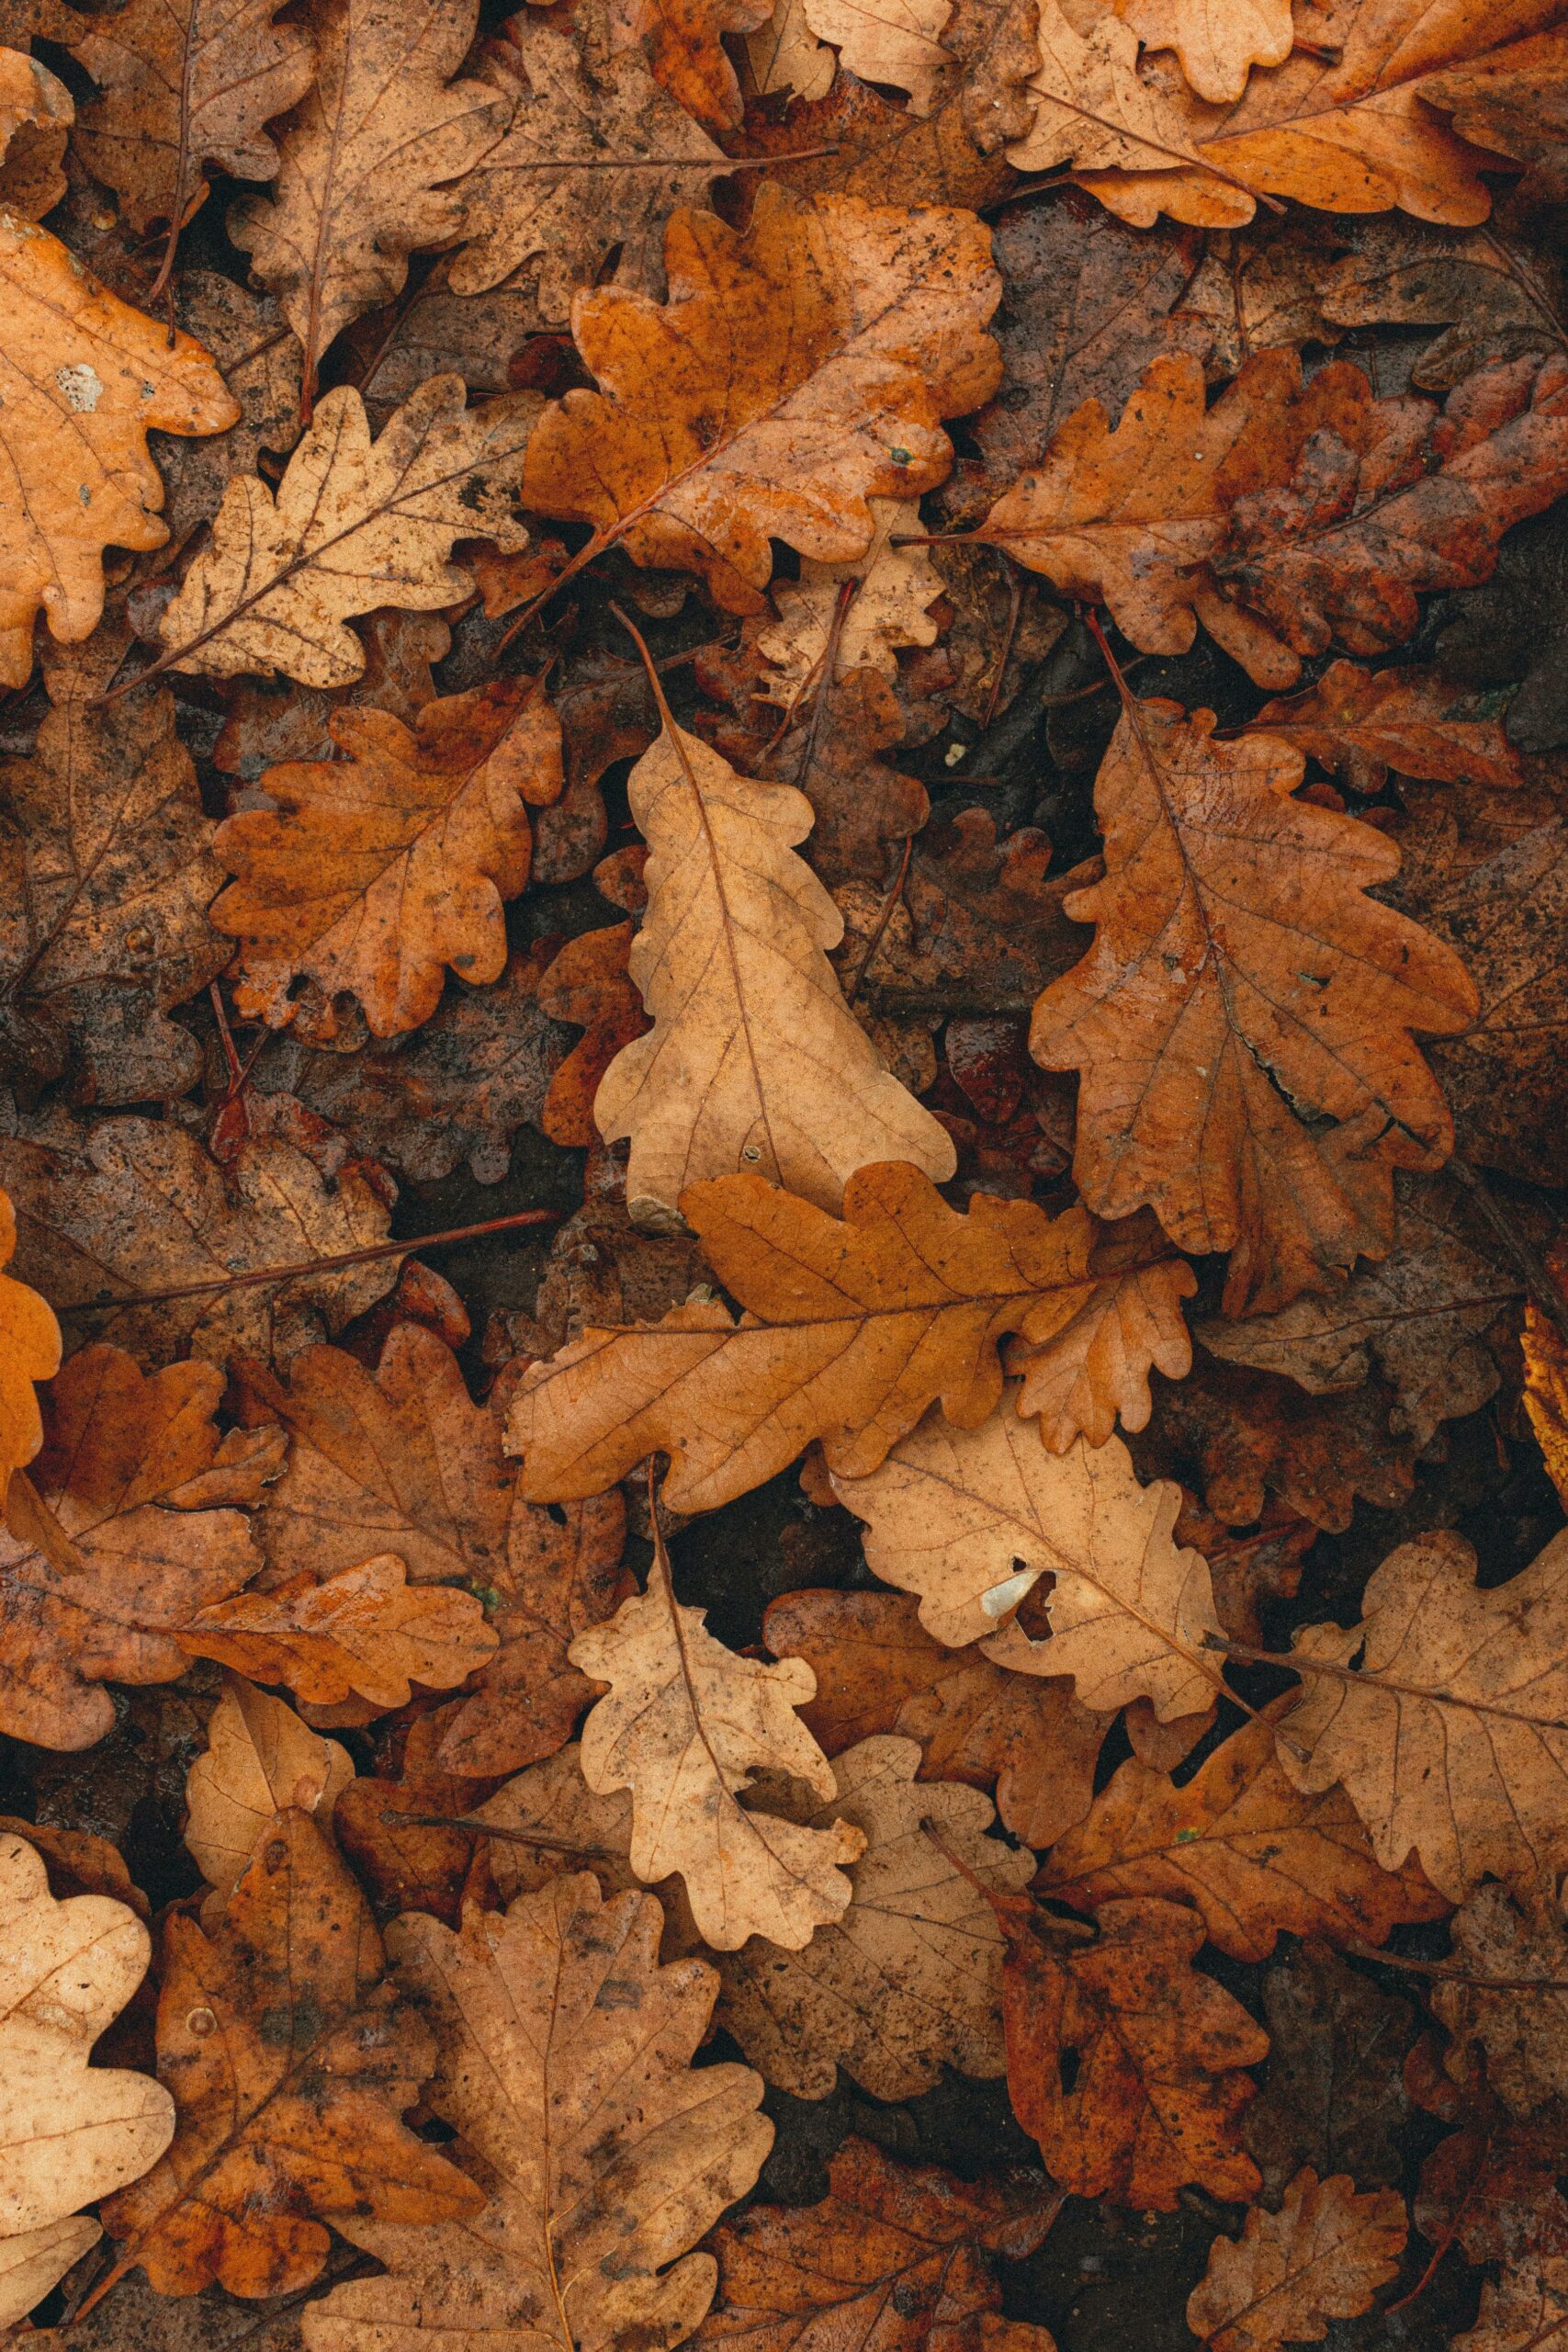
pixel 491 1829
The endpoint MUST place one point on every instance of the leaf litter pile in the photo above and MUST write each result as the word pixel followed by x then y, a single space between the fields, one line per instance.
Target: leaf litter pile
pixel 784 1056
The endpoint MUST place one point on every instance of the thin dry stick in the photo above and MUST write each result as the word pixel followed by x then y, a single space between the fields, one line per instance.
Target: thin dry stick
pixel 883 919
pixel 316 1265
pixel 489 1830
pixel 1445 1973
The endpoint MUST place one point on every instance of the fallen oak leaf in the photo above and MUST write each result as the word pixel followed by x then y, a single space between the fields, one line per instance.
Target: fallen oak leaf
pixel 1496 298
pixel 1321 2258
pixel 1484 1994
pixel 84 379
pixel 682 1724
pixel 354 527
pixel 1231 1026
pixel 374 870
pixel 830 339
pixel 362 1633
pixel 1511 100
pixel 291 2059
pixel 853 1328
pixel 381 125
pixel 259 1760
pixel 1410 722
pixel 1217 48
pixel 36 114
pixel 1335 2094
pixel 899 45
pixel 683 42
pixel 29 1352
pixel 1242 1844
pixel 69 2132
pixel 890 590
pixel 951 1513
pixel 753 1055
pixel 1095 1371
pixel 564 2067
pixel 589 984
pixel 894 2255
pixel 1093 109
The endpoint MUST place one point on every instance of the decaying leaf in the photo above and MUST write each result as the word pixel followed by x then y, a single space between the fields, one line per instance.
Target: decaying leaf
pixel 290 2058
pixel 1411 722
pixel 564 2066
pixel 355 526
pixel 381 126
pixel 1242 1844
pixel 889 591
pixel 29 1352
pixel 84 379
pixel 1333 2095
pixel 683 1725
pixel 894 2256
pixel 363 1632
pixel 854 1328
pixel 1240 981
pixel 1520 2023
pixel 260 1759
pixel 375 870
pixel 683 42
pixel 1322 2256
pixel 1449 1731
pixel 793 375
pixel 753 1059
pixel 69 2131
pixel 36 114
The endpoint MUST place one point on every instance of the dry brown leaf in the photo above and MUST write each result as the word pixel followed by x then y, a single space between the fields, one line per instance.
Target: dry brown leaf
pixel 69 2131
pixel 682 1727
pixel 785 54
pixel 362 1633
pixel 403 1459
pixel 1449 1733
pixel 357 192
pixel 1217 45
pixel 898 42
pixel 29 1352
pixel 1241 1436
pixel 259 1759
pixel 854 1329
pixel 1495 294
pixel 1321 2258
pixel 595 157
pixel 753 1058
pixel 794 374
pixel 1093 109
pixel 893 2257
pixel 1241 1842
pixel 1519 2026
pixel 951 1512
pixel 893 588
pixel 1241 982
pixel 354 527
pixel 565 2053
pixel 878 1670
pixel 374 871
pixel 1412 721
pixel 1511 101
pixel 1546 1391
pixel 186 89
pixel 36 114
pixel 1095 1371
pixel 1122 2061
pixel 84 379
pixel 909 1978
pixel 105 876
pixel 1335 2094
pixel 1522 2310
pixel 588 984
pixel 118 1215
pixel 291 2059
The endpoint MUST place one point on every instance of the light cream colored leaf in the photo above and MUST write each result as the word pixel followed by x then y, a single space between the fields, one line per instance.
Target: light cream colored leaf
pixel 1093 110
pixel 754 1061
pixel 683 1721
pixel 354 527
pixel 1217 42
pixel 952 1514
pixel 888 609
pixel 785 54
pixel 898 41
pixel 259 1759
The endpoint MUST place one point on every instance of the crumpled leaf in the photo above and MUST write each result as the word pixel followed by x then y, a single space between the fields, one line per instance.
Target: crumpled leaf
pixel 380 127
pixel 291 2059
pixel 908 1978
pixel 895 2256
pixel 404 1459
pixel 69 2132
pixel 363 1632
pixel 133 1206
pixel 375 870
pixel 950 1514
pixel 878 1670
pixel 1242 1844
pixel 259 1759
pixel 595 156
pixel 1449 1733
pixel 565 2053
pixel 1519 2026
pixel 184 90
pixel 1424 1317
pixel 29 1352
pixel 107 875
pixel 854 1328
pixel 1333 2094
pixel 683 1725
pixel 753 1056
pixel 354 527
pixel 1156 2096
pixel 84 379
pixel 1411 722
pixel 830 340
pixel 1290 2275
pixel 1493 293
pixel 1239 982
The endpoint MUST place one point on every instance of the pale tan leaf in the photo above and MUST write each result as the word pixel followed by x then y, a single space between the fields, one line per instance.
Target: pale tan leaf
pixel 1321 2258
pixel 1522 2025
pixel 1095 1371
pixel 1217 42
pixel 1093 110
pixel 785 54
pixel 896 41
pixel 36 114
pixel 889 608
pixel 259 1759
